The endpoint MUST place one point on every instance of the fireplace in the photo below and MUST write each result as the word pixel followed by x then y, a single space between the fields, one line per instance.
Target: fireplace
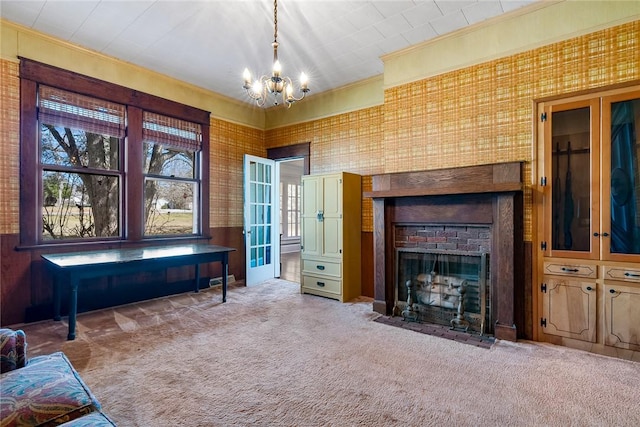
pixel 451 236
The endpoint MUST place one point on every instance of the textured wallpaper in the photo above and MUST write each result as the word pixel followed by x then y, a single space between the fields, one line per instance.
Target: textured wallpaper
pixel 9 147
pixel 476 115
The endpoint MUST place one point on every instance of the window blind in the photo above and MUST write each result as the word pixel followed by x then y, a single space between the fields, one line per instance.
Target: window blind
pixel 58 107
pixel 172 132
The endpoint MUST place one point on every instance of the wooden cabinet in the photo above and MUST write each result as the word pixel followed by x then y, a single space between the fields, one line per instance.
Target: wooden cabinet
pixel 621 302
pixel 331 235
pixel 588 221
pixel 569 301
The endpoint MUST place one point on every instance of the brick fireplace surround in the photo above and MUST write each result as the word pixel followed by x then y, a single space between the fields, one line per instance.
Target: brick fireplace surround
pixel 487 195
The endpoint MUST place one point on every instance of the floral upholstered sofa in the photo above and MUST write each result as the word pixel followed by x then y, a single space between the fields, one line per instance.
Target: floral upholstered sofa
pixel 43 390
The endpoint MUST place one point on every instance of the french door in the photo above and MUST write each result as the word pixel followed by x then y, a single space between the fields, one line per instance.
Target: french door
pixel 261 224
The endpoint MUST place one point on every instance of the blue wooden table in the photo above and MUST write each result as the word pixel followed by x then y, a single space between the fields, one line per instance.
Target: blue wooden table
pixel 76 266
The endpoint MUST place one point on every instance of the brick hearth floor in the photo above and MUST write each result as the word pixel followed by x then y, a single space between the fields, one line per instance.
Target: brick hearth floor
pixel 439 331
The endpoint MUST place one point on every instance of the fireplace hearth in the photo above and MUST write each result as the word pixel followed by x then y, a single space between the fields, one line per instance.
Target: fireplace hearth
pixel 455 228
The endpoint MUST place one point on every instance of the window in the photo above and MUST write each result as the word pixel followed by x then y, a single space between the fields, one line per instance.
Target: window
pixel 293 210
pixel 81 176
pixel 111 163
pixel 290 203
pixel 171 184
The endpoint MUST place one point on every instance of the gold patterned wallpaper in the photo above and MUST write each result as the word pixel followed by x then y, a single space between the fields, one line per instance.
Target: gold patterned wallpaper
pixel 9 147
pixel 228 144
pixel 476 115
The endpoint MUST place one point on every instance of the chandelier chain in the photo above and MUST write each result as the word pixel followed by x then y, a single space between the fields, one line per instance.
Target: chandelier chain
pixel 275 21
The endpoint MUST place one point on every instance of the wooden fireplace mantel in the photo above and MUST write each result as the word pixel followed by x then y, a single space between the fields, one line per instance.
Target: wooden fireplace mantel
pixel 487 194
pixel 493 178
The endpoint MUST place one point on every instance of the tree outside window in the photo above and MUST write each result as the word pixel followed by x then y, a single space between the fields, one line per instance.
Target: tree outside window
pixel 82 142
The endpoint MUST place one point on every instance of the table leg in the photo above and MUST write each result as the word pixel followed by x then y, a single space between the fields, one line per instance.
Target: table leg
pixel 225 273
pixel 73 308
pixel 56 297
pixel 197 289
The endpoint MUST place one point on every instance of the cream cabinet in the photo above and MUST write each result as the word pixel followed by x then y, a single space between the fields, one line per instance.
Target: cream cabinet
pixel 588 222
pixel 331 235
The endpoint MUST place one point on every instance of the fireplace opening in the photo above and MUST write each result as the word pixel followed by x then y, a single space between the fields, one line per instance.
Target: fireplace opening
pixel 444 288
pixel 442 275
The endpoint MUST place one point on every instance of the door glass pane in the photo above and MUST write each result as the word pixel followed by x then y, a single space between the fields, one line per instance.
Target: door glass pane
pixel 261 255
pixel 261 235
pixel 267 171
pixel 260 193
pixel 571 191
pixel 267 193
pixel 254 257
pixel 260 172
pixel 625 182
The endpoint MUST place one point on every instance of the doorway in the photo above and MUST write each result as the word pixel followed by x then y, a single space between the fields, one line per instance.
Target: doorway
pixel 291 172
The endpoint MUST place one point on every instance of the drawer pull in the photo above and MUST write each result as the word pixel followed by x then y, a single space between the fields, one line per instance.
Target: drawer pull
pixel 631 274
pixel 321 284
pixel 589 288
pixel 570 270
pixel 320 267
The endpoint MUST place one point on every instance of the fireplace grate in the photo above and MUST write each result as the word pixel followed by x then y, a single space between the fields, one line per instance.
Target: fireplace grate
pixel 443 288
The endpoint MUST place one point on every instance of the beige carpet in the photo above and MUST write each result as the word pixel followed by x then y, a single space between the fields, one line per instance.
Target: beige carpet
pixel 273 357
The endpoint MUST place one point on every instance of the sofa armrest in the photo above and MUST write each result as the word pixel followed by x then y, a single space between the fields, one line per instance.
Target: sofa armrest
pixel 13 349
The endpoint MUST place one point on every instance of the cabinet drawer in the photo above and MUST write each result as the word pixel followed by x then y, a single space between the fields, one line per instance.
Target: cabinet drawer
pixel 570 269
pixel 313 283
pixel 622 273
pixel 321 267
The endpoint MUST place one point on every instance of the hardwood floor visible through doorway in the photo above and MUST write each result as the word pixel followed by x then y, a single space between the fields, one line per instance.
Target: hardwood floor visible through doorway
pixel 290 266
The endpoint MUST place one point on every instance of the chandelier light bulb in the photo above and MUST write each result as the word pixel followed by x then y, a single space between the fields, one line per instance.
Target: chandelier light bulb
pixel 304 82
pixel 289 91
pixel 257 87
pixel 247 78
pixel 277 69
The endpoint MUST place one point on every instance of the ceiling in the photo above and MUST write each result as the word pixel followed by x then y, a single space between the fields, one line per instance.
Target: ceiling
pixel 209 43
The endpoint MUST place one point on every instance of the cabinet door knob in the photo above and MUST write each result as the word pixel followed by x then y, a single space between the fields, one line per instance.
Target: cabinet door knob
pixel 589 288
pixel 596 234
pixel 612 291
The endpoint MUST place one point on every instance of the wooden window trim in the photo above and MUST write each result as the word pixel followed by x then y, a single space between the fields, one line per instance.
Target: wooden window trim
pixel 32 74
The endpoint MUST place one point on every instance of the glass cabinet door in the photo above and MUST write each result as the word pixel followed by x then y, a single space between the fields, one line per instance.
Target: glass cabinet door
pixel 571 193
pixel 621 177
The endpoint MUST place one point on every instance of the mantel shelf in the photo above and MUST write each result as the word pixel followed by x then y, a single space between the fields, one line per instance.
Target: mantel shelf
pixel 467 188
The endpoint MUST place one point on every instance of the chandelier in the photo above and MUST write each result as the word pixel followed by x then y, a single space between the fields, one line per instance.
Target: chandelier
pixel 275 84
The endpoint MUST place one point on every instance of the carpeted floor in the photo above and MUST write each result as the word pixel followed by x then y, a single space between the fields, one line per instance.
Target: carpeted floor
pixel 273 357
